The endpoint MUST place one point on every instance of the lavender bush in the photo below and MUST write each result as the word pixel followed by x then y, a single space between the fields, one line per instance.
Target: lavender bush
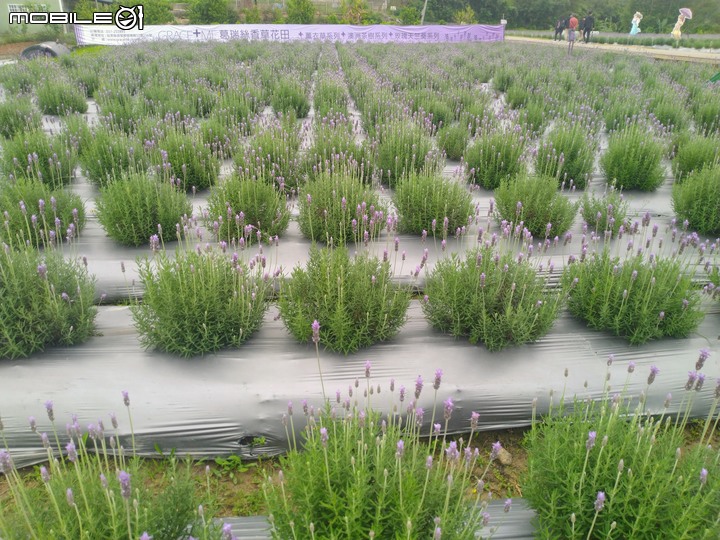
pixel 495 155
pixel 425 198
pixel 535 202
pixel 354 297
pixel 453 140
pixel 18 116
pixel 183 156
pixel 402 147
pixel 288 96
pixel 200 301
pixel 697 199
pixel 109 153
pixel 633 159
pixel 241 210
pixel 37 215
pixel 605 213
pixel 568 153
pixel 47 301
pixel 339 209
pixel 490 297
pixel 361 474
pixel 641 297
pixel 693 153
pixel 33 154
pixel 60 96
pixel 135 207
pixel 609 470
pixel 91 488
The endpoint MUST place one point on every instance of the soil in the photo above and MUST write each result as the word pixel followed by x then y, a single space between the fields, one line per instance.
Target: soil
pixel 11 51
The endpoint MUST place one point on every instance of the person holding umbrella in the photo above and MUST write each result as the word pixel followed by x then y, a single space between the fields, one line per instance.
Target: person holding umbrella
pixel 636 23
pixel 685 13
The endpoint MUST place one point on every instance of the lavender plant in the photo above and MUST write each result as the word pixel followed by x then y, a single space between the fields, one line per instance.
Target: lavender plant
pixel 490 297
pixel 605 213
pixel 135 207
pixel 354 297
pixel 568 153
pixel 609 470
pixel 640 298
pixel 338 209
pixel 200 301
pixel 633 159
pixel 60 97
pixel 495 155
pixel 361 474
pixel 47 301
pixel 91 488
pixel 424 198
pixel 183 156
pixel 335 149
pixel 288 96
pixel 536 202
pixel 33 154
pixel 109 153
pixel 453 140
pixel 706 112
pixel 241 210
pixel 17 116
pixel 693 153
pixel 402 147
pixel 697 199
pixel 37 215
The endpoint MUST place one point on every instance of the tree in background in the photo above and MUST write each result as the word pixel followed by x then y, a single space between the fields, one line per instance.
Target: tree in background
pixel 211 12
pixel 300 11
pixel 409 16
pixel 354 11
pixel 465 16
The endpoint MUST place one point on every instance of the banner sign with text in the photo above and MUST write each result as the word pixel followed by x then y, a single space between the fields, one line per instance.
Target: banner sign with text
pixel 109 35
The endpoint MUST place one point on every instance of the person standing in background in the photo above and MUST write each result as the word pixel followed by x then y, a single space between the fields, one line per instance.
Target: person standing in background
pixel 559 27
pixel 635 29
pixel 572 32
pixel 589 24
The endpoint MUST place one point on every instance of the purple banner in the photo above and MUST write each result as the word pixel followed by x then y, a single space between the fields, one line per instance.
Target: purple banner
pixel 380 33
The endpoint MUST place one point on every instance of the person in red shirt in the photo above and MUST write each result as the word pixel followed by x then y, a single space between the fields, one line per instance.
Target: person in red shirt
pixel 572 32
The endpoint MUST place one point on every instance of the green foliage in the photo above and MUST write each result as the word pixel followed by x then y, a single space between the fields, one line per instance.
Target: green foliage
pixel 183 156
pixel 695 152
pixel 154 11
pixel 402 147
pixel 47 301
pixel 697 199
pixel 409 16
pixel 490 298
pixel 33 154
pixel 211 12
pixel 37 215
pixel 453 139
pixel 536 202
pixel 496 155
pixel 60 96
pixel 335 149
pixel 330 96
pixel 17 116
pixel 354 300
pixel 423 198
pixel 633 159
pixel 242 207
pixel 648 482
pixel 465 16
pixel 633 298
pixel 339 209
pixel 706 112
pixel 109 153
pixel 300 12
pixel 134 207
pixel 568 154
pixel 288 96
pixel 197 303
pixel 606 213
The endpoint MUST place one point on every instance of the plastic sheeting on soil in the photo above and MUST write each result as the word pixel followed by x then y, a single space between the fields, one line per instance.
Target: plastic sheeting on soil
pixel 216 405
pixel 515 524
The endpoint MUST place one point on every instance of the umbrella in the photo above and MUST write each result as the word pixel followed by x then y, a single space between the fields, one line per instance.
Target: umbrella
pixel 686 12
pixel 638 15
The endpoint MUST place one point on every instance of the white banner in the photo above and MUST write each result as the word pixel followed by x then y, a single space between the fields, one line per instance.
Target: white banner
pixel 110 35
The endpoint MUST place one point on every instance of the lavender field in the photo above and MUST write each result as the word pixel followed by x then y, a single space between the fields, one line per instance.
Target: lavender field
pixel 222 229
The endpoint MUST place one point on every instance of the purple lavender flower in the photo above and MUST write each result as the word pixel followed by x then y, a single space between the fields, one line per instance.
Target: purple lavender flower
pixel 50 411
pixel 103 481
pixel 33 424
pixel 227 528
pixel 692 377
pixel 113 420
pixel 124 479
pixel 703 476
pixel 438 533
pixel 6 462
pixel 438 377
pixel 654 370
pixel 315 331
pixel 700 382
pixel 600 501
pixel 485 519
pixel 324 436
pixel 367 369
pixel 70 497
pixel 449 406
pixel 631 367
pixel 45 440
pixel 610 360
pixel 508 504
pixel 400 449
pixel 704 355
pixel 429 462
pixel 436 428
pixel 418 387
pixel 42 271
pixel 145 535
pixel 591 440
pixel 474 417
pixel 126 398
pixel 45 475
pixel 496 448
pixel 71 452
